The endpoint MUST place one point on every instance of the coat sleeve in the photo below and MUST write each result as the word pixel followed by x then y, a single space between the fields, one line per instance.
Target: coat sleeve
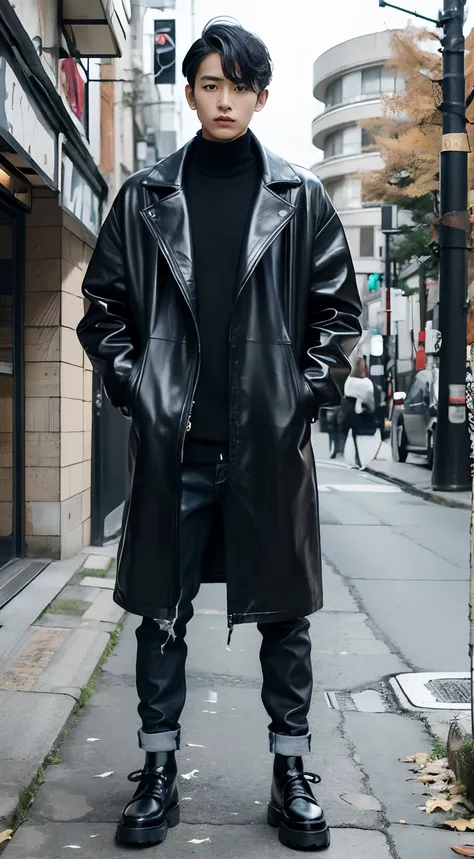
pixel 332 328
pixel 106 331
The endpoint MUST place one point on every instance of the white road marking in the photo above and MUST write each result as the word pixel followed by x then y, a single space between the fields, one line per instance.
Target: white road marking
pixel 382 488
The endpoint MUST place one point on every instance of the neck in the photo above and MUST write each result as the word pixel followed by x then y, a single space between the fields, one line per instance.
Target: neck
pixel 223 159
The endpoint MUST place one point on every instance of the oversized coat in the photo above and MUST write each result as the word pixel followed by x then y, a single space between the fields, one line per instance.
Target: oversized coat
pixel 294 323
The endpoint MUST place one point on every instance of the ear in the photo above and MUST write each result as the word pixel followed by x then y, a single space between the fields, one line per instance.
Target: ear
pixel 190 97
pixel 261 101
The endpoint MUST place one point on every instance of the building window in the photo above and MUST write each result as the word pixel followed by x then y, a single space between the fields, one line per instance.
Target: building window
pixel 371 81
pixel 334 93
pixel 365 83
pixel 344 141
pixel 345 193
pixel 366 242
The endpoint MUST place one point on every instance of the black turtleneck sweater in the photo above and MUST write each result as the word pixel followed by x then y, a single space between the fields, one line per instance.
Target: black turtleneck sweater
pixel 220 183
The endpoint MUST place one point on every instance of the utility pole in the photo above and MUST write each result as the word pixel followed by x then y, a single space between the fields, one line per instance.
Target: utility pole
pixel 451 471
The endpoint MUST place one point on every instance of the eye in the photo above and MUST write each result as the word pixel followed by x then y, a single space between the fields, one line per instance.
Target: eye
pixel 241 88
pixel 210 87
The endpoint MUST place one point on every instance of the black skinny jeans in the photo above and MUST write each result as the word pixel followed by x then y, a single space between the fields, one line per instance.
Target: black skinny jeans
pixel 285 653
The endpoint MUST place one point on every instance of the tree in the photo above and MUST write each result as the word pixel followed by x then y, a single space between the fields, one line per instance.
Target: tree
pixel 408 137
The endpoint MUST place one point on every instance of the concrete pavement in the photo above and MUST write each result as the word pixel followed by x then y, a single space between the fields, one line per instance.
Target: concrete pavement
pixel 396 597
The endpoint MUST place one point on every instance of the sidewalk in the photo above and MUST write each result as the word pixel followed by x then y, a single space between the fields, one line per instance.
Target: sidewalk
pixel 52 637
pixel 224 763
pixel 412 476
pixel 415 476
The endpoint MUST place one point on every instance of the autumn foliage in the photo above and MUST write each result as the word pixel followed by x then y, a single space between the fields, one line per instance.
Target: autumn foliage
pixel 409 133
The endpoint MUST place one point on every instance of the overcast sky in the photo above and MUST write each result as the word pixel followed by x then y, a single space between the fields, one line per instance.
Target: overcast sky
pixel 295 34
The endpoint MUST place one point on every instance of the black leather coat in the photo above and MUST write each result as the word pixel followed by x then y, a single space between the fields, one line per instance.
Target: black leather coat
pixel 294 322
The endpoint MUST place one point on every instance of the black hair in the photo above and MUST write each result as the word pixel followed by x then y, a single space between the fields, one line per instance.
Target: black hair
pixel 245 58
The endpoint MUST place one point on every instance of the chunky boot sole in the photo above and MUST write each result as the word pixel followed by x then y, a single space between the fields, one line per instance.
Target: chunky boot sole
pixel 148 835
pixel 298 839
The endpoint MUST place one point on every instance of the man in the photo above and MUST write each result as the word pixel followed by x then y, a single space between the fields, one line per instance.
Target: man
pixel 223 308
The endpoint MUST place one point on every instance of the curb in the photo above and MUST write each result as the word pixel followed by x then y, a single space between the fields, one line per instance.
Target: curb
pixel 426 494
pixel 42 709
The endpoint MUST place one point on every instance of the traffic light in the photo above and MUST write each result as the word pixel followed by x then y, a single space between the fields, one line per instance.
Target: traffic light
pixel 374 282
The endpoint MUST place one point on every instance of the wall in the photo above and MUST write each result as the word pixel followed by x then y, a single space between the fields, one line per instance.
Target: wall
pixel 58 384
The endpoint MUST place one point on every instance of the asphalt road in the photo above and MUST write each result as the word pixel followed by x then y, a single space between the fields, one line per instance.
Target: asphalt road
pixel 396 600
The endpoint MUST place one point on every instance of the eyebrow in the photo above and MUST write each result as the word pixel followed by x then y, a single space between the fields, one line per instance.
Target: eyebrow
pixel 211 78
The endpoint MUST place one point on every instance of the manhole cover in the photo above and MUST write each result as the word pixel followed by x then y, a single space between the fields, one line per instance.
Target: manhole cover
pixel 458 691
pixel 436 691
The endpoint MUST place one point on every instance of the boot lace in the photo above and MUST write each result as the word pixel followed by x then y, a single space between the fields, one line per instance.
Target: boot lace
pixel 151 782
pixel 297 785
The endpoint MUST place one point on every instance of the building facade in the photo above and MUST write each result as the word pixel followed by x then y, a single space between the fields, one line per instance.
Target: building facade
pixel 349 80
pixel 66 145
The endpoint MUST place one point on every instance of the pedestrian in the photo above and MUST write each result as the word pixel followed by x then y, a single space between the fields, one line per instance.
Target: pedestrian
pixel 359 405
pixel 223 306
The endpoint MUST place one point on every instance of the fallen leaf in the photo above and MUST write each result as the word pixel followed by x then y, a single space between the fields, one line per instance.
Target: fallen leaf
pixel 440 804
pixel 410 760
pixel 436 768
pixel 421 757
pixel 6 835
pixel 403 822
pixel 93 836
pixel 104 775
pixel 190 775
pixel 460 824
pixel 463 850
pixel 427 779
pixel 195 746
pixel 200 841
pixel 92 739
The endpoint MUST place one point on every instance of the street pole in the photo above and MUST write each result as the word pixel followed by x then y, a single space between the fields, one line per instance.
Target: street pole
pixel 451 471
pixel 388 287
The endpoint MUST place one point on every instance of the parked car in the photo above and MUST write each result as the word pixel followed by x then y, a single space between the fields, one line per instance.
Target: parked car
pixel 414 417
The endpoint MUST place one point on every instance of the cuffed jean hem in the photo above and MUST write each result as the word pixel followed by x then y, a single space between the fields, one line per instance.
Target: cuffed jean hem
pixel 283 744
pixel 164 741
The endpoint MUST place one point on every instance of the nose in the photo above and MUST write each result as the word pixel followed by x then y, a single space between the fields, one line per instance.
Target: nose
pixel 225 102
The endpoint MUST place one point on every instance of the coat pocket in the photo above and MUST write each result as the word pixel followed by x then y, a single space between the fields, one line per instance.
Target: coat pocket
pixel 304 393
pixel 135 377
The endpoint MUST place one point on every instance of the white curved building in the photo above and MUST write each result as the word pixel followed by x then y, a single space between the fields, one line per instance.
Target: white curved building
pixel 349 80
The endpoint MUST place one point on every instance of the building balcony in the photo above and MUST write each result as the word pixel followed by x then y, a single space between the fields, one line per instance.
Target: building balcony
pixel 347 114
pixel 355 53
pixel 97 28
pixel 344 165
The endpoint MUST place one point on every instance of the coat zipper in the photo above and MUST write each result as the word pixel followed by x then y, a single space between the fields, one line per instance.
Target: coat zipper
pixel 187 408
pixel 271 239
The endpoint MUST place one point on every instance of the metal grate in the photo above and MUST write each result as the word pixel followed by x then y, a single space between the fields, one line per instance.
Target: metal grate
pixel 450 691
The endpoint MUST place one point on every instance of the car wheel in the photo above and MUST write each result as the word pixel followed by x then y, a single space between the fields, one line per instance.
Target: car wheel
pixel 399 442
pixel 430 447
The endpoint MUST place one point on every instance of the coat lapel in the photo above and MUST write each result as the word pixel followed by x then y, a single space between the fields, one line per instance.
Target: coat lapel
pixel 168 218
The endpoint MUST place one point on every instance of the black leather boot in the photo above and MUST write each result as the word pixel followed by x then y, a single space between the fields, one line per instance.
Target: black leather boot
pixel 293 808
pixel 155 805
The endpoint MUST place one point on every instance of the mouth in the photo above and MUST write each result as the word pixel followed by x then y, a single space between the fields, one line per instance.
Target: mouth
pixel 224 120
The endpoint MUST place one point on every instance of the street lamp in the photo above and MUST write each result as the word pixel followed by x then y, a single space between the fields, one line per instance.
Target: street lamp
pixel 451 471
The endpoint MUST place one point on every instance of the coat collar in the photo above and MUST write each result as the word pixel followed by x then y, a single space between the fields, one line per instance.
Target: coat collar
pixel 168 173
pixel 168 217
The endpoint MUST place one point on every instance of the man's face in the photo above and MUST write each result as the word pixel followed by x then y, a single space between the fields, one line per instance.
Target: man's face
pixel 224 108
